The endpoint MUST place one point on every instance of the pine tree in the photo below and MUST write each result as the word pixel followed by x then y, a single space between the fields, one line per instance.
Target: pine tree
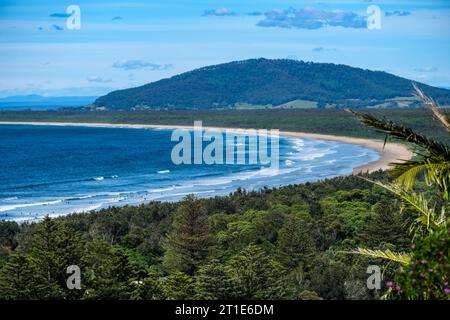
pixel 254 275
pixel 178 286
pixel 149 288
pixel 295 242
pixel 212 281
pixel 17 278
pixel 107 273
pixel 187 244
pixel 385 228
pixel 55 247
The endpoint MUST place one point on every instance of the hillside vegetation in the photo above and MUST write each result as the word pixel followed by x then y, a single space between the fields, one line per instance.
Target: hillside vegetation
pixel 292 242
pixel 270 83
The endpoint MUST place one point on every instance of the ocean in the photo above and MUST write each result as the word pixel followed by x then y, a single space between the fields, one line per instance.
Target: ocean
pixel 57 170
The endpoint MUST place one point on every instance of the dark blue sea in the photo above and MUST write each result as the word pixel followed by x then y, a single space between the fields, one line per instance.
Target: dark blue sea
pixel 57 170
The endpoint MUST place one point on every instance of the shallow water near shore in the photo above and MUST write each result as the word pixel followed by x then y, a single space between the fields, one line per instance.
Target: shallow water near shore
pixel 59 170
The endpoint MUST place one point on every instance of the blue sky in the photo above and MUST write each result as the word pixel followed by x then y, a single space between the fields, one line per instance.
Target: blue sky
pixel 124 44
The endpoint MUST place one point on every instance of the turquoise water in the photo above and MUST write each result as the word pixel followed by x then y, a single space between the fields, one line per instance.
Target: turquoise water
pixel 59 170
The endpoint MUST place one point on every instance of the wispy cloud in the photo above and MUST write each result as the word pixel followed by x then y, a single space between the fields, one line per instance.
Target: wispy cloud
pixel 322 49
pixel 310 18
pixel 220 12
pixel 397 13
pixel 58 28
pixel 117 18
pixel 426 69
pixel 140 64
pixel 60 15
pixel 255 13
pixel 98 79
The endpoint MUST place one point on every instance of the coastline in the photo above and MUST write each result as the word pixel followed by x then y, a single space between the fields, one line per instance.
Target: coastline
pixel 389 153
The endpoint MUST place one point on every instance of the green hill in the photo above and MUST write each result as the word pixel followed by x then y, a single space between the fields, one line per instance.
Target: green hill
pixel 271 83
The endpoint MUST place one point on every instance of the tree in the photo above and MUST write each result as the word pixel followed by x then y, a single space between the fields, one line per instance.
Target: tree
pixel 178 286
pixel 40 273
pixel 149 288
pixel 187 244
pixel 55 247
pixel 8 231
pixel 254 275
pixel 384 227
pixel 328 278
pixel 106 273
pixel 17 278
pixel 212 281
pixel 295 241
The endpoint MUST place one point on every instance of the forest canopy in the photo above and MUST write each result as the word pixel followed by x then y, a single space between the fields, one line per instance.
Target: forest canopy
pixel 293 242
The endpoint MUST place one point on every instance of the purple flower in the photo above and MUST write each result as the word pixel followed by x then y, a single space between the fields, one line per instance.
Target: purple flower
pixel 389 284
pixel 447 290
pixel 448 231
pixel 398 288
pixel 423 261
pixel 430 270
pixel 421 275
pixel 413 246
pixel 445 283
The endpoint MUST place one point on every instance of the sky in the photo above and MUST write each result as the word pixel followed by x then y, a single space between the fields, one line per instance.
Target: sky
pixel 49 50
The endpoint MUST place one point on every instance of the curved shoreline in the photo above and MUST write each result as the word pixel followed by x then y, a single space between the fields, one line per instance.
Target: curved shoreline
pixel 389 153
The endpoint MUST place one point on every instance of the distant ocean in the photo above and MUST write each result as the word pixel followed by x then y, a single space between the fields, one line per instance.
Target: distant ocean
pixel 59 170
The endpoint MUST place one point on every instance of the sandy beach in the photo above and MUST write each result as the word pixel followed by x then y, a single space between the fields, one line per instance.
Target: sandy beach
pixel 391 152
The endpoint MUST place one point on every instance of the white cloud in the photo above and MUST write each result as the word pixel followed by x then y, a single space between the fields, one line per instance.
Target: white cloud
pixel 218 12
pixel 98 79
pixel 310 18
pixel 426 69
pixel 140 64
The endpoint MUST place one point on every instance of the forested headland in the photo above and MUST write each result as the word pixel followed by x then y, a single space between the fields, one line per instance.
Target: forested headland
pixel 266 83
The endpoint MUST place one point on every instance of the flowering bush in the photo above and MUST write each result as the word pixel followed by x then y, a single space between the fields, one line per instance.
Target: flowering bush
pixel 428 274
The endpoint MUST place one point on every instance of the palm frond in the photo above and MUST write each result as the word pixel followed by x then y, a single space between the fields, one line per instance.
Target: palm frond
pixel 387 254
pixel 435 173
pixel 434 163
pixel 390 128
pixel 439 173
pixel 426 218
pixel 443 118
pixel 407 172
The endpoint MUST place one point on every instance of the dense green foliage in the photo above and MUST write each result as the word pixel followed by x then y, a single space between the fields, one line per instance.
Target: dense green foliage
pixel 427 265
pixel 336 122
pixel 267 82
pixel 287 243
pixel 428 275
